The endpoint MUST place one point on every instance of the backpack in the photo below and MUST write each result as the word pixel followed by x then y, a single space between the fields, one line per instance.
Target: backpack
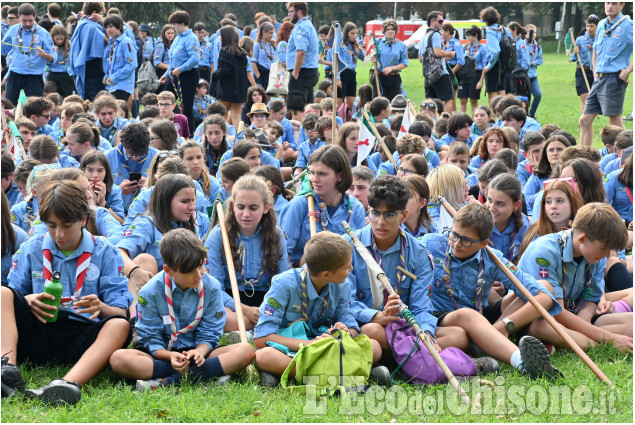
pixel 432 66
pixel 335 364
pixel 147 80
pixel 416 363
pixel 507 56
pixel 468 71
pixel 520 83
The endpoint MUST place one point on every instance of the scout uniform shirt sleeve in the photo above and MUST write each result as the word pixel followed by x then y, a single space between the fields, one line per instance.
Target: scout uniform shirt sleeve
pixel 343 312
pixel 597 283
pixel 126 61
pixel 151 309
pixel 272 313
pixel 359 285
pixel 210 329
pixel 20 275
pixel 493 46
pixel 216 267
pixel 113 285
pixel 542 261
pixel 138 237
pixel 107 225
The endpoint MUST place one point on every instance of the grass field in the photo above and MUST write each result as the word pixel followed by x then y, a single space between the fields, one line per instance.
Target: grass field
pixel 579 398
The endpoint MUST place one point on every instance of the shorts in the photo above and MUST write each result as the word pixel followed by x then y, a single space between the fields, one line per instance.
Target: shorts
pixel 494 80
pixel 580 85
pixel 468 90
pixel 63 341
pixel 301 90
pixel 442 89
pixel 492 313
pixel 606 96
pixel 349 84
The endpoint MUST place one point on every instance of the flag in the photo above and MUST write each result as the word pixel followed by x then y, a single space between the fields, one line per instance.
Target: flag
pixel 335 39
pixel 371 48
pixel 568 43
pixel 408 119
pixel 366 141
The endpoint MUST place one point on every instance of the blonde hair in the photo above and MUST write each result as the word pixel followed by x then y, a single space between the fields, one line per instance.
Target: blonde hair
pixel 448 180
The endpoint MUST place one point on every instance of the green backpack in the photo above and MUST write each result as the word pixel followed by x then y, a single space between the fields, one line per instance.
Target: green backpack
pixel 336 364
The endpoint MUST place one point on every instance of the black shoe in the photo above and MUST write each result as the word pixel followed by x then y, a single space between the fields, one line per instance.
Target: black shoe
pixel 486 365
pixel 381 375
pixel 12 382
pixel 536 362
pixel 56 392
pixel 475 351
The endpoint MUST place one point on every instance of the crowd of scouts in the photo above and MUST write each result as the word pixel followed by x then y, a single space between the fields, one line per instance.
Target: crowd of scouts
pixel 121 206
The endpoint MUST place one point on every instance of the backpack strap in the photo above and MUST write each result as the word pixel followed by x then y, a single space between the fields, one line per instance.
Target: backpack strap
pixel 615 25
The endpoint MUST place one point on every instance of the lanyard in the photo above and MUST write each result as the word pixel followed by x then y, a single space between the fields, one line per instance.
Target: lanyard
pixel 264 48
pixel 250 282
pixel 32 40
pixel 199 311
pixel 83 261
pixel 322 215
pixel 402 260
pixel 571 305
pixel 305 297
pixel 480 282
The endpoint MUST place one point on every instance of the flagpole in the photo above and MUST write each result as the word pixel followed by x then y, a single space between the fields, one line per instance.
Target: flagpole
pixel 381 142
pixel 335 59
pixel 377 76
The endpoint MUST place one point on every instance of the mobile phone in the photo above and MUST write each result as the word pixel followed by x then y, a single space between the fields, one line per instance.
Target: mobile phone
pixel 135 177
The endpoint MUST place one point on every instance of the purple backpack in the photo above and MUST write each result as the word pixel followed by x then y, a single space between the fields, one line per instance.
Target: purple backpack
pixel 415 361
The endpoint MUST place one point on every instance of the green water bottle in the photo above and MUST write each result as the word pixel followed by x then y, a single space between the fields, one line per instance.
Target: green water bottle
pixel 53 287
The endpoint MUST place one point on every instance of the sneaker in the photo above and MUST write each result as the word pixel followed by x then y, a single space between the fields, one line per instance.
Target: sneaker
pixel 223 380
pixel 150 384
pixel 536 361
pixel 629 117
pixel 475 351
pixel 486 365
pixel 381 375
pixel 12 382
pixel 269 380
pixel 58 391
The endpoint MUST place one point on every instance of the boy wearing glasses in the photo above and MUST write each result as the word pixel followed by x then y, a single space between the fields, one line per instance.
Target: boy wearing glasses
pixel 462 281
pixel 167 103
pixel 38 110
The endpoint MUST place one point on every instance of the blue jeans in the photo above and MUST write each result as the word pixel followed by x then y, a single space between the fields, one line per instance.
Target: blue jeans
pixel 534 86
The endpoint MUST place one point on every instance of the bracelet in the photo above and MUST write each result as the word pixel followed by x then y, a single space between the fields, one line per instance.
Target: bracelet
pixel 133 269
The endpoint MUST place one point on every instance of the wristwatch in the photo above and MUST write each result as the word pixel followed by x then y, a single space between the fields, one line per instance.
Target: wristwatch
pixel 509 325
pixel 107 205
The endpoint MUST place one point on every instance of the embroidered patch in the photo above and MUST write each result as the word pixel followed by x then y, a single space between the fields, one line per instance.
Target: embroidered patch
pixel 219 315
pixel 295 307
pixel 92 272
pixel 543 271
pixel 438 283
pixel 542 262
pixel 37 274
pixel 129 59
pixel 142 300
pixel 438 260
pixel 361 295
pixel 512 268
pixel 120 271
pixel 13 217
pixel 127 233
pixel 14 264
pixel 268 311
pixel 132 227
pixel 273 302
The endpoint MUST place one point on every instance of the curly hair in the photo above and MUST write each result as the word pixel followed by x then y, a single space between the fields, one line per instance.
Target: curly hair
pixel 390 191
pixel 482 150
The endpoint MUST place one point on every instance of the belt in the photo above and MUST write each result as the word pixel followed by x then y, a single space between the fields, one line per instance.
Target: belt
pixel 587 68
pixel 392 74
pixel 606 74
pixel 203 68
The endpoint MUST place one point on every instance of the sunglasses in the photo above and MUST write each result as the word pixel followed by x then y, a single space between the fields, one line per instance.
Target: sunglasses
pixel 561 179
pixel 427 105
pixel 168 153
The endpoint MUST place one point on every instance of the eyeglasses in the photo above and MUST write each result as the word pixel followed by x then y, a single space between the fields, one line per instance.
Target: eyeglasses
pixel 389 216
pixel 466 242
pixel 135 157
pixel 165 105
pixel 155 138
pixel 427 105
pixel 168 153
pixel 45 116
pixel 561 179
pixel 406 171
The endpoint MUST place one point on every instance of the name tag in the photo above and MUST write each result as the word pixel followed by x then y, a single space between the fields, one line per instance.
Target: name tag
pixel 167 320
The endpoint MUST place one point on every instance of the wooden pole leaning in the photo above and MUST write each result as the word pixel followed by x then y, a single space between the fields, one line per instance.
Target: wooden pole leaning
pixel 296 179
pixel 309 200
pixel 334 67
pixel 544 313
pixel 381 142
pixel 375 271
pixel 580 61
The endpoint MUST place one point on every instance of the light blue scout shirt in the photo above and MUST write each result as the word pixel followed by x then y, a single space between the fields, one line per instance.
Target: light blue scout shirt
pixel 413 292
pixel 477 162
pixel 20 238
pixel 305 150
pixel 25 212
pixel 148 48
pixel 253 261
pixel 184 53
pixel 523 172
pixel 87 43
pixel 386 167
pixel 104 276
pixel 350 58
pixel 289 133
pixel 13 194
pixel 143 236
pixel 214 188
pixel 281 51
pixel 280 204
pixel 613 50
pixel 617 195
pixel 530 125
pixel 544 259
pixel 532 187
pixel 107 226
pixel 161 55
pixel 421 230
pixel 522 54
pixel 446 140
pixel 535 57
pixel 437 41
pixel 502 241
pixel 110 133
pixel 142 200
pixel 121 168
pixel 153 317
pixel 115 201
pixel 494 35
pixel 463 277
pixel 200 105
pixel 475 130
pixel 61 62
pixel 391 54
pixel 454 45
pixel 613 165
pixel 606 159
pixel 204 53
pixel 303 38
pixel 479 53
pixel 585 44
pixel 24 60
pixel 283 304
pixel 265 159
pixel 120 62
pixel 264 54
pixel 295 222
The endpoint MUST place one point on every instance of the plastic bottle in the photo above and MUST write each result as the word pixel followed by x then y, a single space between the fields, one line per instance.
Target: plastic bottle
pixel 53 287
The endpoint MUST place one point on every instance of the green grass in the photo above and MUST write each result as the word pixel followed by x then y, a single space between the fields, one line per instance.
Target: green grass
pixel 583 399
pixel 560 104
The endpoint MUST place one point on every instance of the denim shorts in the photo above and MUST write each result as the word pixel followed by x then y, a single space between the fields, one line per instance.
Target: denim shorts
pixel 606 96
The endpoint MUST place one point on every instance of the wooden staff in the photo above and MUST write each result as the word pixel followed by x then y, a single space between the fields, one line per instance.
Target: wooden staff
pixel 381 142
pixel 376 74
pixel 544 313
pixel 309 200
pixel 212 219
pixel 580 60
pixel 374 270
pixel 296 179
pixel 334 112
pixel 231 270
pixel 412 109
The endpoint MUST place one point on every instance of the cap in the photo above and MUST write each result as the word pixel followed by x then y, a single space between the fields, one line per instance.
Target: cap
pixel 261 136
pixel 144 27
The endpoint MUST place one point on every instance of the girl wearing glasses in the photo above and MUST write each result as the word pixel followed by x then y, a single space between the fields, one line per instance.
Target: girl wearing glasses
pixel 163 135
pixel 331 177
pixel 172 205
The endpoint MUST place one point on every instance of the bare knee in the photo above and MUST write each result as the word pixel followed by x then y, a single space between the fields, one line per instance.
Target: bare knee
pixel 118 359
pixel 117 328
pixel 231 320
pixel 147 262
pixel 7 296
pixel 245 352
pixel 265 356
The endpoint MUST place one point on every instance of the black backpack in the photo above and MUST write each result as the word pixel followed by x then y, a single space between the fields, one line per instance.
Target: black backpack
pixel 467 72
pixel 507 57
pixel 432 66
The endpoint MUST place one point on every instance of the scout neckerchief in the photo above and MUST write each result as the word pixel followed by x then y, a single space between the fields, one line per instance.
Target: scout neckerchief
pixel 350 51
pixel 199 311
pixel 111 54
pixel 607 31
pixel 214 156
pixel 268 53
pixel 480 281
pixel 469 49
pixel 511 251
pixel 198 106
pixel 305 298
pixel 322 214
pixel 571 305
pixel 83 261
pixel 629 192
pixel 30 215
pixel 32 39
pixel 250 282
pixel 401 276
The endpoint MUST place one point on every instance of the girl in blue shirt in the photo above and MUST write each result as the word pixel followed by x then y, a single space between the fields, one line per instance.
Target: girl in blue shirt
pixel 107 194
pixel 348 139
pixel 58 69
pixel 549 159
pixel 258 245
pixel 347 81
pixel 12 238
pixel 214 141
pixel 161 58
pixel 418 221
pixel 535 60
pixel 619 190
pixel 193 155
pixel 451 43
pixel 172 205
pixel 201 101
pixel 493 141
pixel 522 54
pixel 281 196
pixel 264 52
pixel 482 120
pixel 472 89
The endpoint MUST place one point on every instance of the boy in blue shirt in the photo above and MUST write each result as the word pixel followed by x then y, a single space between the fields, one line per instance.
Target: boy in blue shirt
pixel 180 318
pixel 463 279
pixel 120 59
pixel 313 143
pixel 38 110
pixel 573 262
pixel 318 295
pixel 516 118
pixel 532 144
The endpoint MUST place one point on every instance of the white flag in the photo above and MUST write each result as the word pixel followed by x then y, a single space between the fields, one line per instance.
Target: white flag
pixel 408 119
pixel 366 141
